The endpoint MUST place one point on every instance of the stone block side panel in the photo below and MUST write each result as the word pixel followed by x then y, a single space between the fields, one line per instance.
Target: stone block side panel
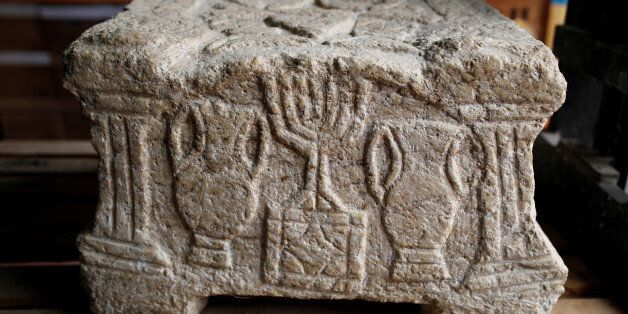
pixel 419 172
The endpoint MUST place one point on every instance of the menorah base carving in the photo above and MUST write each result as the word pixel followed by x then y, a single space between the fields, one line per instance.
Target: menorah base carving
pixel 316 250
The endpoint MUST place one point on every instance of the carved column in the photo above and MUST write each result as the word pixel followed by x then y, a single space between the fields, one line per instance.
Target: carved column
pixel 120 235
pixel 509 233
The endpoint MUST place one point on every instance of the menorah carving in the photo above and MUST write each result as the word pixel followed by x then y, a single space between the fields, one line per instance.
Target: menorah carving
pixel 309 116
pixel 121 236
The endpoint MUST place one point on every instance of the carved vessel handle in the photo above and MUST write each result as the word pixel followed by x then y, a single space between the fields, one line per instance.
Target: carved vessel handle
pixel 379 187
pixel 197 146
pixel 451 166
pixel 255 134
pixel 462 183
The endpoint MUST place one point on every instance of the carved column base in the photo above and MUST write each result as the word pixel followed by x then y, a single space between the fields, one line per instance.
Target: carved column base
pixel 110 253
pixel 210 252
pixel 521 275
pixel 419 264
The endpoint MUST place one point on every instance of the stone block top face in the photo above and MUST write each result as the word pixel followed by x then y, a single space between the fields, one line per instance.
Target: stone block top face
pixel 439 52
pixel 326 149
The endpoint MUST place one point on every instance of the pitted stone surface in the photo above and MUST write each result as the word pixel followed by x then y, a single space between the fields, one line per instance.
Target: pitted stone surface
pixel 377 150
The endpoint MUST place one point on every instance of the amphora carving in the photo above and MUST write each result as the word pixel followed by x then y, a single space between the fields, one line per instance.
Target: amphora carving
pixel 216 169
pixel 419 197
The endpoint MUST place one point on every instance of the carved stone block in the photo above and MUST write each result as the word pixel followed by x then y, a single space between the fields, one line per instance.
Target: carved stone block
pixel 363 149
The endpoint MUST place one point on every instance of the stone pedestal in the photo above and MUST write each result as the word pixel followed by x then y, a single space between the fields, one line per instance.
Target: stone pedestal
pixel 376 150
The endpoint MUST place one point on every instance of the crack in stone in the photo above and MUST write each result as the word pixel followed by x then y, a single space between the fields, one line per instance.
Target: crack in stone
pixel 270 22
pixel 438 12
pixel 323 33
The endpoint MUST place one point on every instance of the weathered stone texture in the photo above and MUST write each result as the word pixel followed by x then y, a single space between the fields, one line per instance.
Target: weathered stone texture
pixel 378 150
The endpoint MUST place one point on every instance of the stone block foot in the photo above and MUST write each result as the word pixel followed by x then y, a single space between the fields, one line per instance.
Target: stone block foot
pixel 113 291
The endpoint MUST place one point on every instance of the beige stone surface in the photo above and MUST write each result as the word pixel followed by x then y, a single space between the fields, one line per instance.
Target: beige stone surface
pixel 328 149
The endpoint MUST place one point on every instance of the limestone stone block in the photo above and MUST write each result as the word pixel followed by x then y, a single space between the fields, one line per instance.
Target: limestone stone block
pixel 316 149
